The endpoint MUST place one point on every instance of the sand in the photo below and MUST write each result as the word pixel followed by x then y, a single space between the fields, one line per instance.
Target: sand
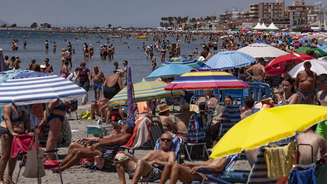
pixel 77 174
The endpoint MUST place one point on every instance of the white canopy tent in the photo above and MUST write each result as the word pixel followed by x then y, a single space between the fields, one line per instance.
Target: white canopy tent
pixel 258 50
pixel 257 27
pixel 272 27
pixel 263 26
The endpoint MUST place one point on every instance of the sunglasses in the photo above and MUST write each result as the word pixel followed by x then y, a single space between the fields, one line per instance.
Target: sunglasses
pixel 166 140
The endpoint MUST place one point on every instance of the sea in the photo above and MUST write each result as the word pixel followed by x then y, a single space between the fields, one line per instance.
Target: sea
pixel 126 48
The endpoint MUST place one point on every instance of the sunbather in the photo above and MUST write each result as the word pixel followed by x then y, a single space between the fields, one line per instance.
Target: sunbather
pixel 96 147
pixel 149 165
pixel 187 173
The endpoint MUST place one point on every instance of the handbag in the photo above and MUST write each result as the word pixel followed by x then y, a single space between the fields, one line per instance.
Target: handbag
pixel 34 166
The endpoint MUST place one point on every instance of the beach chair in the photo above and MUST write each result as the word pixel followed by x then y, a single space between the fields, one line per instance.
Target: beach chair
pixel 230 116
pixel 196 137
pixel 258 173
pixel 257 90
pixel 20 151
pixel 228 175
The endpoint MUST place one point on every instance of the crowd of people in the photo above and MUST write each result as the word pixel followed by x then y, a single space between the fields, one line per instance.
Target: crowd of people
pixel 203 124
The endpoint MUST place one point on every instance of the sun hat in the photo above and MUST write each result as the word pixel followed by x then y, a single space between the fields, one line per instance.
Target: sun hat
pixel 163 108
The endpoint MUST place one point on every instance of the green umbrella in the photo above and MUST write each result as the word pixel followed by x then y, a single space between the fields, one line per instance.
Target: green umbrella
pixel 307 50
pixel 143 91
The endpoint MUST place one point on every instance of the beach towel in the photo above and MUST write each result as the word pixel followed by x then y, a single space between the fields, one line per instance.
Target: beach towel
pixel 280 160
pixel 301 175
pixel 20 144
pixel 141 133
pixel 196 129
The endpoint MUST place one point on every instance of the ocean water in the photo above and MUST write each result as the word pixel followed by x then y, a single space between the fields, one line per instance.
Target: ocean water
pixel 125 49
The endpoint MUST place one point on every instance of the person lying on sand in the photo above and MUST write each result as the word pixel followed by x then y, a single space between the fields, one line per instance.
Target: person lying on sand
pixel 150 165
pixel 94 147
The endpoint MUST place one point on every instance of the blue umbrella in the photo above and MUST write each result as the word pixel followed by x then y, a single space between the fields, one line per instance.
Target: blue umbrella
pixel 131 104
pixel 183 61
pixel 230 59
pixel 170 70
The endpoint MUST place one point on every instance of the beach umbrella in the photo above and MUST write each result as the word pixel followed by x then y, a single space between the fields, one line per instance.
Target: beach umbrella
pixel 143 91
pixel 267 126
pixel 2 62
pixel 258 50
pixel 318 67
pixel 230 59
pixel 131 103
pixel 278 65
pixel 204 80
pixel 170 70
pixel 28 87
pixel 306 50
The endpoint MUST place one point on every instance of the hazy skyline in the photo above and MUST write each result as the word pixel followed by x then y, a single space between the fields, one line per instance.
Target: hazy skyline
pixel 117 13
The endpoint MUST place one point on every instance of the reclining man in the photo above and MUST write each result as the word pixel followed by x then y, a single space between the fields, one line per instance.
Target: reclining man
pixel 187 173
pixel 150 165
pixel 96 147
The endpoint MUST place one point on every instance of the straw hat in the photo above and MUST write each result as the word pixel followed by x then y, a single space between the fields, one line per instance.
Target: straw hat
pixel 163 108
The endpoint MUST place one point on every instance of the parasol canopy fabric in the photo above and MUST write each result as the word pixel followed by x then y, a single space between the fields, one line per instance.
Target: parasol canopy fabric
pixel 206 80
pixel 267 126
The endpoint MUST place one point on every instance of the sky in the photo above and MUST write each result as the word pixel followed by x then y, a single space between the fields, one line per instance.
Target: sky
pixel 116 12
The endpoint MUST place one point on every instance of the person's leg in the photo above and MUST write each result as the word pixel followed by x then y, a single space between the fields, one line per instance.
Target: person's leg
pixel 184 174
pixel 78 155
pixel 120 172
pixel 53 136
pixel 5 153
pixel 166 173
pixel 11 168
pixel 143 168
pixel 74 145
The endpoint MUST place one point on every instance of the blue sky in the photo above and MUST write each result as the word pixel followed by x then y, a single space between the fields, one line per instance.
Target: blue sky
pixel 115 12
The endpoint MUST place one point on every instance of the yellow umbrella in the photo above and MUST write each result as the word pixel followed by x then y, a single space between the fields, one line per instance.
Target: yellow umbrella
pixel 268 126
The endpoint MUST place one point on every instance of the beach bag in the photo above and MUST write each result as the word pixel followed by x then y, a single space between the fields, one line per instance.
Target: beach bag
pixel 34 166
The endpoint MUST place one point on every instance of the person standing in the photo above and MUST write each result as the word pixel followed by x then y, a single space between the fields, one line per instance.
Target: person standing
pixel 46 45
pixel 98 79
pixel 83 78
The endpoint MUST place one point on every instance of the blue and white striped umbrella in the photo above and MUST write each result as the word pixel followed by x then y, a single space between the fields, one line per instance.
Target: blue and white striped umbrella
pixel 24 87
pixel 229 60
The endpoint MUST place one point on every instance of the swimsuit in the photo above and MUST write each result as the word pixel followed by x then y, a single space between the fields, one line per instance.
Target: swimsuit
pixel 60 107
pixel 110 92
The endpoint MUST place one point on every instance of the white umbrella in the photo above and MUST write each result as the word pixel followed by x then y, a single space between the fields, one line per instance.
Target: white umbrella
pixel 318 66
pixel 258 50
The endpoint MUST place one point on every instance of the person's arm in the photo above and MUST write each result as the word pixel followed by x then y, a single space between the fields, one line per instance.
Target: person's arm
pixel 119 140
pixel 170 160
pixel 323 148
pixel 6 116
pixel 215 166
pixel 293 99
pixel 120 83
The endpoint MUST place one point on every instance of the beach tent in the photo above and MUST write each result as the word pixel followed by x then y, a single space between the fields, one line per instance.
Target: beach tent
pixel 317 66
pixel 273 27
pixel 263 27
pixel 24 87
pixel 258 50
pixel 280 122
pixel 230 59
pixel 257 27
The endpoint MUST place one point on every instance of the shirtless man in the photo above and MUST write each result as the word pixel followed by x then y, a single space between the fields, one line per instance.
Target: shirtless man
pixel 145 166
pixel 97 146
pixel 317 142
pixel 187 173
pixel 305 84
pixel 257 71
pixel 170 122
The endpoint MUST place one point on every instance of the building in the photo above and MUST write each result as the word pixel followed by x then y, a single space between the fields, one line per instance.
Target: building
pixel 317 15
pixel 298 15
